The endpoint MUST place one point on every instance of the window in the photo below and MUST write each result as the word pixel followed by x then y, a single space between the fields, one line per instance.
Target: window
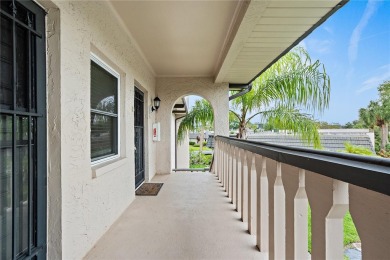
pixel 104 111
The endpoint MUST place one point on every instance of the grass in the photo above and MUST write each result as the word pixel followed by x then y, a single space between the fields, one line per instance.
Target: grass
pixel 193 148
pixel 350 233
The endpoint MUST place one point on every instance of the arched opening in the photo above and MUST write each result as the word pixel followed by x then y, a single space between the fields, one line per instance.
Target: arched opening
pixel 193 136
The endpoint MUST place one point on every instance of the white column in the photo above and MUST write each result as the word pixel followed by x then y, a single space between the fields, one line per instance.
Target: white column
pixel 262 208
pixel 334 221
pixel 279 215
pixel 300 219
pixel 244 188
pixel 238 180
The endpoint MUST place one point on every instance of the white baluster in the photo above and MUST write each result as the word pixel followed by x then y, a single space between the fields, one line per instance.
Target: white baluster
pixel 300 219
pixel 238 180
pixel 234 176
pixel 244 188
pixel 279 215
pixel 334 221
pixel 262 236
pixel 251 193
pixel 231 166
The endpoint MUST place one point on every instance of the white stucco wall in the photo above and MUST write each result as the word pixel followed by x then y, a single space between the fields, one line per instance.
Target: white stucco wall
pixel 171 89
pixel 81 207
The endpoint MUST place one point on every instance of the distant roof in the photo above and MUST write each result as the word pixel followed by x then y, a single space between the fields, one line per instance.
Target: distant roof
pixel 334 143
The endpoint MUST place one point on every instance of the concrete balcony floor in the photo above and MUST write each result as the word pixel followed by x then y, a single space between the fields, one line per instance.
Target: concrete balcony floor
pixel 191 218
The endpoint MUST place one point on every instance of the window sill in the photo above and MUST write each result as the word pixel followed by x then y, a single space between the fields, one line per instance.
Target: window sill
pixel 103 168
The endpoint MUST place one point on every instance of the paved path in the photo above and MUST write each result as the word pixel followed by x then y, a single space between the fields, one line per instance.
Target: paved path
pixel 191 218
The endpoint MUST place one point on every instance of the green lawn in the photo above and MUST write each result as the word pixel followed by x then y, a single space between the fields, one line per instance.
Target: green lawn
pixel 193 148
pixel 350 233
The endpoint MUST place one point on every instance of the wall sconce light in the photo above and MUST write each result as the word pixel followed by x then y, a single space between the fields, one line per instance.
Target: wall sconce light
pixel 156 104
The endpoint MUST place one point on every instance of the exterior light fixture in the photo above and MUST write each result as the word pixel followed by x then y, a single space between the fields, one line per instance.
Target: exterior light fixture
pixel 156 104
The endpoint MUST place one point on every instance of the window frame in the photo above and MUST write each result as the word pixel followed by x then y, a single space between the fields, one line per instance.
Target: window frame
pixel 99 61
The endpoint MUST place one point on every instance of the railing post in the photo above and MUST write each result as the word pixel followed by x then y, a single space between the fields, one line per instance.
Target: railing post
pixel 228 169
pixel 334 221
pixel 300 219
pixel 279 215
pixel 215 157
pixel 234 176
pixel 244 187
pixel 238 180
pixel 250 159
pixel 219 160
pixel 231 166
pixel 223 163
pixel 262 208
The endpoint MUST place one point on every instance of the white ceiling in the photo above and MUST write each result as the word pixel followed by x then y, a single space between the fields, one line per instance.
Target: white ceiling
pixel 231 41
pixel 178 38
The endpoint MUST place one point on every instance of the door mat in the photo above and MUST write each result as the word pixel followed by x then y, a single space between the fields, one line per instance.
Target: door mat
pixel 149 189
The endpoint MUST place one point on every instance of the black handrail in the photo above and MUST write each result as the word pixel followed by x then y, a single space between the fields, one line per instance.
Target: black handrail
pixel 368 172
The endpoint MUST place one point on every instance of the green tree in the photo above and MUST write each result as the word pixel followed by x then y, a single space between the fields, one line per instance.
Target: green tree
pixel 199 118
pixel 278 95
pixel 377 113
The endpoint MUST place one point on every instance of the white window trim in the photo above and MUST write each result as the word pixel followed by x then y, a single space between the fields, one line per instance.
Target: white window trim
pixel 95 58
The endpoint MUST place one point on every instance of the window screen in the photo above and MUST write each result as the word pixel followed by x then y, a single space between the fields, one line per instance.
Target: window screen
pixel 104 113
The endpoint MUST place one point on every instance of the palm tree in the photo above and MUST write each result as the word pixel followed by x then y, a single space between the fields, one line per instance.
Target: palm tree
pixel 278 95
pixel 377 113
pixel 200 117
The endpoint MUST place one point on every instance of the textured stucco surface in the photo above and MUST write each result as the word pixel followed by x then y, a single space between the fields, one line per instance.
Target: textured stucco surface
pixel 82 208
pixel 171 89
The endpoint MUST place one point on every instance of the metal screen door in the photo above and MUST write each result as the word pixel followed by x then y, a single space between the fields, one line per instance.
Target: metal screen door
pixel 139 137
pixel 22 131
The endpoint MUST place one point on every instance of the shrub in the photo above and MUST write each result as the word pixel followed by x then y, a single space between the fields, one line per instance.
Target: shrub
pixel 196 145
pixel 199 159
pixel 349 148
pixel 192 142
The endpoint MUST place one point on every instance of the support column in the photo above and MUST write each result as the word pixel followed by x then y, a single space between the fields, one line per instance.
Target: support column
pixel 262 223
pixel 300 219
pixel 279 215
pixel 334 221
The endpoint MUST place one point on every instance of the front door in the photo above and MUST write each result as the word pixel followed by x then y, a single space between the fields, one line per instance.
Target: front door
pixel 22 131
pixel 139 136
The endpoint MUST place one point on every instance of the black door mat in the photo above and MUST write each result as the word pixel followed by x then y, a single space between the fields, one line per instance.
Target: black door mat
pixel 149 189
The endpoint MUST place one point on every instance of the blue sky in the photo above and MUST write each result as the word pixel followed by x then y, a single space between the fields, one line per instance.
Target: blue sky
pixel 354 45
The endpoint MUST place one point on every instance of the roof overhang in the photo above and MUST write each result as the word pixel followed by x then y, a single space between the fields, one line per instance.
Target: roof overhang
pixel 231 41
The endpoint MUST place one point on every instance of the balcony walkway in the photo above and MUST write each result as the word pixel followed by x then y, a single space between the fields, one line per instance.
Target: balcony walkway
pixel 191 218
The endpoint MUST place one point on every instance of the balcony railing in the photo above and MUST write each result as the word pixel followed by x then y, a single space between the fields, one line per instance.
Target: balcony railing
pixel 272 186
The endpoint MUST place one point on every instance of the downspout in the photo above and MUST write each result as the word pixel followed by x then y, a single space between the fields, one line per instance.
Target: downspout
pixel 244 89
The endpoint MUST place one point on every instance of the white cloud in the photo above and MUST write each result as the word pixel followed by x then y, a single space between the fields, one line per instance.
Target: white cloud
pixel 320 46
pixel 328 29
pixel 383 73
pixel 357 32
